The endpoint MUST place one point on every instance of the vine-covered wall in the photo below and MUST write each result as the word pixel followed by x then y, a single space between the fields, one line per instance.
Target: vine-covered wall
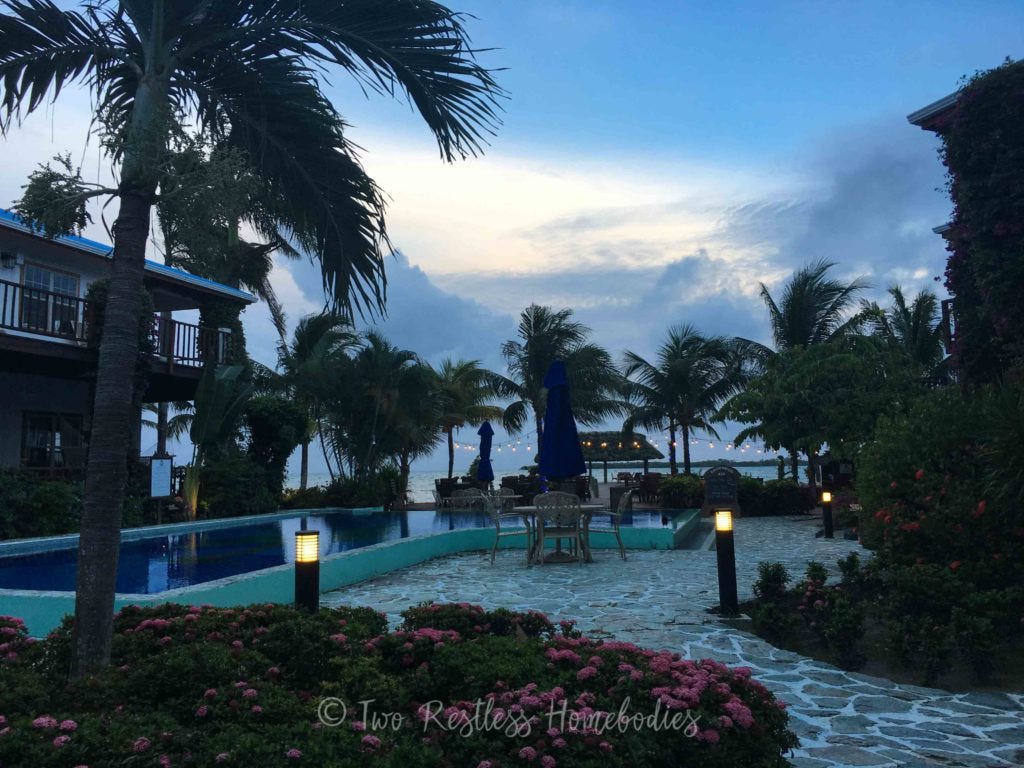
pixel 984 155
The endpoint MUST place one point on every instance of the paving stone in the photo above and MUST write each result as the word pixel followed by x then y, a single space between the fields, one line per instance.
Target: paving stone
pixel 951 729
pixel 880 704
pixel 1014 736
pixel 941 747
pixel 848 756
pixel 991 699
pixel 850 724
pixel 903 732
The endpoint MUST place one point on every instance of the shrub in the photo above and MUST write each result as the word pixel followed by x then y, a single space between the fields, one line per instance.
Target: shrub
pixel 275 425
pixel 771 582
pixel 30 506
pixel 191 683
pixel 345 492
pixel 234 486
pixel 681 492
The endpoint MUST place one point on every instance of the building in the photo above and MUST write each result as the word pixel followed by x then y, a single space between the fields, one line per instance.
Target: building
pixel 48 346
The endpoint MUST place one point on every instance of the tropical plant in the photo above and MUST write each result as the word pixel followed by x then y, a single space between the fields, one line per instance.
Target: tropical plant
pixel 464 389
pixel 912 328
pixel 220 400
pixel 247 76
pixel 813 309
pixel 310 365
pixel 546 335
pixel 684 388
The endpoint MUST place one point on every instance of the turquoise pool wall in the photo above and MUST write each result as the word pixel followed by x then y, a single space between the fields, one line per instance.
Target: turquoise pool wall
pixel 43 611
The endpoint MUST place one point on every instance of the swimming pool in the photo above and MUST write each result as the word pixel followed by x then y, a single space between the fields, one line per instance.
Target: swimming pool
pixel 165 562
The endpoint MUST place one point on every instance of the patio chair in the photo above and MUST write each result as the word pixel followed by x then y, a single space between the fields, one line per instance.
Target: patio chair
pixel 558 517
pixel 624 506
pixel 466 499
pixel 439 502
pixel 504 498
pixel 508 516
pixel 595 489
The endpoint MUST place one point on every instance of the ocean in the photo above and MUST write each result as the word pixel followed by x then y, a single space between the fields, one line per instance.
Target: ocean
pixel 421 482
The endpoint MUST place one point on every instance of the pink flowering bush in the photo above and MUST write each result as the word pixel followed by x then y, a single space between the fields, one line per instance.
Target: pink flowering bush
pixel 199 686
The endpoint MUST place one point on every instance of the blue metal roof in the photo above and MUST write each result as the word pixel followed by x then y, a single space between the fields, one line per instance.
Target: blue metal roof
pixel 12 220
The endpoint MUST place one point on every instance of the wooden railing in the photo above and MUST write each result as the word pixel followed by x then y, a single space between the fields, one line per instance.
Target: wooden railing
pixel 44 313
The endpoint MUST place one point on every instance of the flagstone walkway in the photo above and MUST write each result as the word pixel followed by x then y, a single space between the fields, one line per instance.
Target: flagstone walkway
pixel 658 599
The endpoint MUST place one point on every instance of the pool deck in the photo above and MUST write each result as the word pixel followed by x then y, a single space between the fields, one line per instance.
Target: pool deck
pixel 658 599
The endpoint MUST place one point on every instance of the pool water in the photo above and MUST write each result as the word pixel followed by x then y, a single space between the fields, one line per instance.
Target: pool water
pixel 168 562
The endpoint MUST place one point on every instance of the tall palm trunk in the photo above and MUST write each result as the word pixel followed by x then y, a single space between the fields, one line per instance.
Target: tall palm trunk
pixel 304 465
pixel 812 463
pixel 794 463
pixel 107 467
pixel 451 452
pixel 672 467
pixel 686 449
pixel 540 429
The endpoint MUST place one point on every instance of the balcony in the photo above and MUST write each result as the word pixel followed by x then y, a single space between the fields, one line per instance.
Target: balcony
pixel 66 322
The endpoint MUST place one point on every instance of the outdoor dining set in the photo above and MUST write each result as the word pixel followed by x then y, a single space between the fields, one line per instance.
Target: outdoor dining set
pixel 555 516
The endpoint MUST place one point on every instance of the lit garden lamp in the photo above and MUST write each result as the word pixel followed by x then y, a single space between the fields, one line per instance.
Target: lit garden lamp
pixel 307 570
pixel 826 513
pixel 726 552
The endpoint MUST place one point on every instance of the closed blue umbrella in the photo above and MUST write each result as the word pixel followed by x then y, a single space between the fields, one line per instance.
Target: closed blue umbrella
pixel 560 453
pixel 484 471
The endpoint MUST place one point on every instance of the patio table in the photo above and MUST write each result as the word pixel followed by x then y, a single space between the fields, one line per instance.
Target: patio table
pixel 586 512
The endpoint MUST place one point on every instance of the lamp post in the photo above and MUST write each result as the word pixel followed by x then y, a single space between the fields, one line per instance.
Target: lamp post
pixel 826 513
pixel 307 570
pixel 726 552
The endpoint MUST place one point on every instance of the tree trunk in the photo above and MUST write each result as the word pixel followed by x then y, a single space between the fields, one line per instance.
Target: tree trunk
pixel 107 468
pixel 794 463
pixel 161 429
pixel 672 467
pixel 540 432
pixel 304 465
pixel 812 461
pixel 451 452
pixel 686 449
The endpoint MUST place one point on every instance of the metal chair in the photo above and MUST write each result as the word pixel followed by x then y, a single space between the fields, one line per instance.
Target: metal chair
pixel 624 506
pixel 506 514
pixel 558 517
pixel 466 500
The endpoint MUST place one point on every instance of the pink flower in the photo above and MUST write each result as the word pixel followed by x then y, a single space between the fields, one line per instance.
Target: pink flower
pixel 210 693
pixel 586 672
pixel 919 475
pixel 68 725
pixel 5 730
pixel 710 736
pixel 358 725
pixel 528 753
pixel 548 761
pixel 223 757
pixel 203 711
pixel 44 721
pixel 60 741
pixel 604 746
pixel 250 693
pixel 256 709
pixel 293 754
pixel 559 743
pixel 485 764
pixel 370 742
pixel 165 761
pixel 141 744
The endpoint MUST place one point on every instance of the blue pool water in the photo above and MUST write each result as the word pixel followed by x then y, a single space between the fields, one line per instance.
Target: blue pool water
pixel 181 560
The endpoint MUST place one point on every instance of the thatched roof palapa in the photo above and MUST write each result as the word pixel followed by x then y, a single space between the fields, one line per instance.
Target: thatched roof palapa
pixel 617 446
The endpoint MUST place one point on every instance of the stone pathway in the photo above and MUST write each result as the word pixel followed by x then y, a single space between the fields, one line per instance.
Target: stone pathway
pixel 658 599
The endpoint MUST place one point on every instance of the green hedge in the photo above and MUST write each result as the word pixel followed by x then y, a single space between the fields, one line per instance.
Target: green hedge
pixel 30 506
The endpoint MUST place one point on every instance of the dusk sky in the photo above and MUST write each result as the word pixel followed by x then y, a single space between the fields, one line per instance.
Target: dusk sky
pixel 657 161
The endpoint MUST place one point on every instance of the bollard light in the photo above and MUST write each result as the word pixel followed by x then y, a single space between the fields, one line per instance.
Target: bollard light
pixel 307 570
pixel 726 553
pixel 826 514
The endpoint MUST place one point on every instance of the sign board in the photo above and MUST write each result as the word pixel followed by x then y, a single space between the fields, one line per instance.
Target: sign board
pixel 160 477
pixel 720 485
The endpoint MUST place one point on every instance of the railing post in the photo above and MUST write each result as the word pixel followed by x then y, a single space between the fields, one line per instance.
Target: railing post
pixel 223 339
pixel 171 332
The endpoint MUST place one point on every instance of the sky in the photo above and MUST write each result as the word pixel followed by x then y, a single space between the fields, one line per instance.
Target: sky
pixel 657 161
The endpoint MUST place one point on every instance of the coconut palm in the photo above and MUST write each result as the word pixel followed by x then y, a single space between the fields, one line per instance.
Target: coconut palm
pixel 546 335
pixel 913 328
pixel 813 309
pixel 683 389
pixel 464 388
pixel 308 366
pixel 246 74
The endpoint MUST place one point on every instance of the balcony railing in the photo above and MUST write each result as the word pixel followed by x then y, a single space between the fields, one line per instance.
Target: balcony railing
pixel 54 315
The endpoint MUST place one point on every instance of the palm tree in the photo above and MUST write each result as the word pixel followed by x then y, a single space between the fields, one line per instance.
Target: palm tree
pixel 308 370
pixel 246 74
pixel 912 328
pixel 464 389
pixel 546 335
pixel 813 309
pixel 684 388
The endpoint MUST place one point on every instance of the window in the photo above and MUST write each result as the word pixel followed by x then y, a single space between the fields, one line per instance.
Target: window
pixel 49 302
pixel 52 440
